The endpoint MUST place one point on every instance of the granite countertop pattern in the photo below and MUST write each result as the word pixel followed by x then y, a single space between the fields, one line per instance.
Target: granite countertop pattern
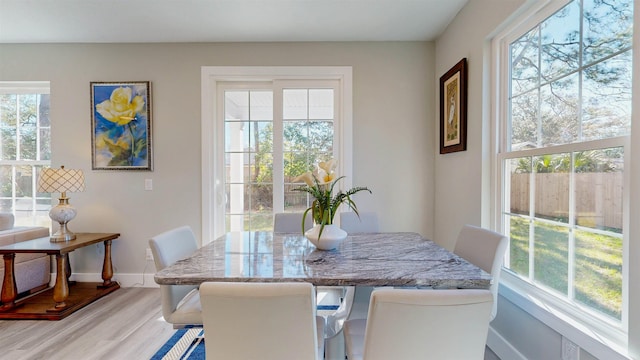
pixel 366 259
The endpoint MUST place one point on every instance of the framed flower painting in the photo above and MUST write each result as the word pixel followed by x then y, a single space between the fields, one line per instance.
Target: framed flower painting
pixel 121 126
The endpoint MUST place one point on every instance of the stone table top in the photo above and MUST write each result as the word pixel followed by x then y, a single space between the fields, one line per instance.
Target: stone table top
pixel 365 259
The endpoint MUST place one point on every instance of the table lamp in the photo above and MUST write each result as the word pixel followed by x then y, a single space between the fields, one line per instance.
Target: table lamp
pixel 61 180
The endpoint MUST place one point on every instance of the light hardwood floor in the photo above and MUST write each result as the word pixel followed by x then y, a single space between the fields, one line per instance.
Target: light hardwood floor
pixel 126 324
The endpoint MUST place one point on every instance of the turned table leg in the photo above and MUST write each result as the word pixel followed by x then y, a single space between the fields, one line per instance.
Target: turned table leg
pixel 67 268
pixel 61 288
pixel 107 267
pixel 9 288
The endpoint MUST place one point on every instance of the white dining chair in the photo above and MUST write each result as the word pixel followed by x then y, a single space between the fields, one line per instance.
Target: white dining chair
pixel 410 324
pixel 291 222
pixel 328 298
pixel 485 249
pixel 366 222
pixel 180 303
pixel 267 321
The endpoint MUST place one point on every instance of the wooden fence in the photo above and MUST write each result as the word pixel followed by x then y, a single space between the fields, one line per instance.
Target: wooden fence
pixel 598 197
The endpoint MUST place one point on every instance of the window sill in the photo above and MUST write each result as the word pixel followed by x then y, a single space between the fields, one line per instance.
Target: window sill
pixel 598 338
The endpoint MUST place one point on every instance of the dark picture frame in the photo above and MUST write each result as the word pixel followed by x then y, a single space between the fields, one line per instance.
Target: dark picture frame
pixel 453 109
pixel 121 126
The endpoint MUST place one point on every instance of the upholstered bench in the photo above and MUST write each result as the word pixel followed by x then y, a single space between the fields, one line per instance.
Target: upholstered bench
pixel 32 271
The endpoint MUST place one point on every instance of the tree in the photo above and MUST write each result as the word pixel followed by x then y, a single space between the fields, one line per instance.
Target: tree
pixel 305 143
pixel 548 69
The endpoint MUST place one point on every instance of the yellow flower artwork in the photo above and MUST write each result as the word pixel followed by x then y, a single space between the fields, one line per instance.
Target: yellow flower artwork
pixel 121 126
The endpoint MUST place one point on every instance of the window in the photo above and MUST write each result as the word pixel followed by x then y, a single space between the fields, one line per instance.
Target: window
pixel 252 144
pixel 270 126
pixel 25 148
pixel 563 150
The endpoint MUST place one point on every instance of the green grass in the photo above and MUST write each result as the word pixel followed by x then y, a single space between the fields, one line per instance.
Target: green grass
pixel 256 221
pixel 598 263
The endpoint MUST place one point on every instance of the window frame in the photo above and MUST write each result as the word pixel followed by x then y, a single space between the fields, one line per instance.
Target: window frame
pixel 212 138
pixel 596 334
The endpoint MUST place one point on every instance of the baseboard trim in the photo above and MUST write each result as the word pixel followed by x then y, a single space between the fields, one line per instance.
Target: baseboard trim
pixel 501 347
pixel 125 280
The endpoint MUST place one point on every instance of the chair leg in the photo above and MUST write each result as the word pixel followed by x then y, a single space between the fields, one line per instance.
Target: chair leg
pixel 334 348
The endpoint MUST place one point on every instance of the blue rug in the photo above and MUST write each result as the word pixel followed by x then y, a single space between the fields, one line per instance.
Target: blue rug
pixel 186 343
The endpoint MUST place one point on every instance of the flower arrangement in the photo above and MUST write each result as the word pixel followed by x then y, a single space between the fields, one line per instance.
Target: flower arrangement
pixel 320 184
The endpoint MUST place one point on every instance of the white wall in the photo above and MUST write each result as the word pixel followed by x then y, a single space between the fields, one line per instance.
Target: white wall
pixel 459 189
pixel 393 131
pixel 460 198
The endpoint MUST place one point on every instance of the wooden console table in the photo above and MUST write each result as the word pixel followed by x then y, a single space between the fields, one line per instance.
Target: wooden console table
pixel 65 302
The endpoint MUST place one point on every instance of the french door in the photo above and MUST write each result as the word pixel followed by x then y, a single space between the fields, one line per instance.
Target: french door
pixel 262 126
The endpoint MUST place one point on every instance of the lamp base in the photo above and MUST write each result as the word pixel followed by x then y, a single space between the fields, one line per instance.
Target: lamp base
pixel 63 234
pixel 62 214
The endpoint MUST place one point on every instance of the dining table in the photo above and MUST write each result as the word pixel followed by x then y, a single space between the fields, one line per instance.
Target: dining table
pixel 398 259
pixel 391 259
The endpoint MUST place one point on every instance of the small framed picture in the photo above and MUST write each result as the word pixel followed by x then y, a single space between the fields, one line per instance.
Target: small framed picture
pixel 453 109
pixel 121 126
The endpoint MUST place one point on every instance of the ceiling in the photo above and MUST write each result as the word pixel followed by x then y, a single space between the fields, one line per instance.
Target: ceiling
pixel 132 21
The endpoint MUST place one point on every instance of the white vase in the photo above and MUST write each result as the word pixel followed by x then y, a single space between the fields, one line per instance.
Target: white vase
pixel 332 236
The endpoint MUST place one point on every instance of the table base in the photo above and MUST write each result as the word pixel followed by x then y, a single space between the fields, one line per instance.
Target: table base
pixel 41 306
